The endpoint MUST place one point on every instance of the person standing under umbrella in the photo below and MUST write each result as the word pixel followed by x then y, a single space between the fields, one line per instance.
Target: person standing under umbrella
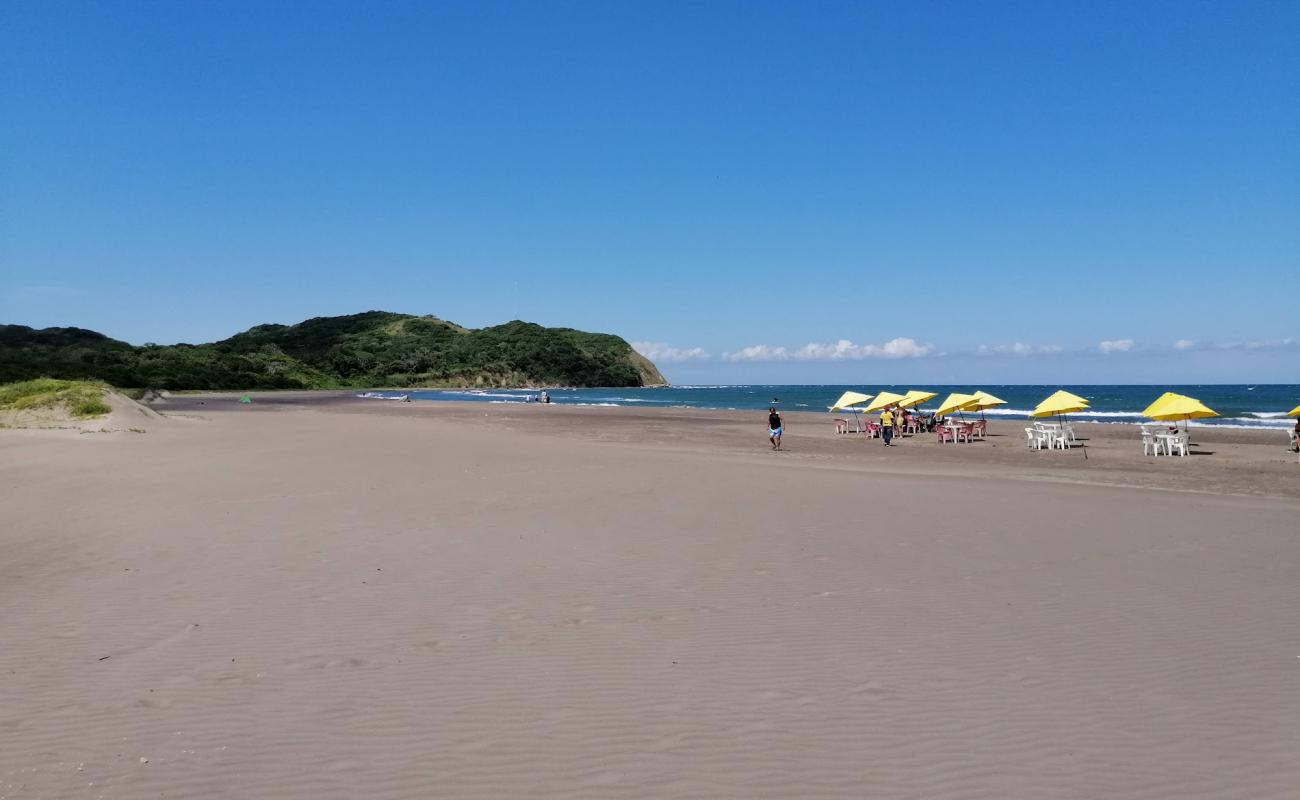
pixel 887 425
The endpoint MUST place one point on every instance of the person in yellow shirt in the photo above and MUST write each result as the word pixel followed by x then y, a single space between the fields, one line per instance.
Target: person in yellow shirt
pixel 887 425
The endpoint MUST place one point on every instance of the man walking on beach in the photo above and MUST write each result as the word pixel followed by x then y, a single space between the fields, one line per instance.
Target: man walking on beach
pixel 887 425
pixel 774 427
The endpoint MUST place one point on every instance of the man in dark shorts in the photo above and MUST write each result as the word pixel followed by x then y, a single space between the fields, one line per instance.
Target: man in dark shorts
pixel 774 428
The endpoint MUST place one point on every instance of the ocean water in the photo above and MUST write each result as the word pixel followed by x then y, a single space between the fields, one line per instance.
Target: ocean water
pixel 1245 405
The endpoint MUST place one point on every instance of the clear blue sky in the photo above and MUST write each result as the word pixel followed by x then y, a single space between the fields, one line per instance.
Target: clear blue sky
pixel 996 188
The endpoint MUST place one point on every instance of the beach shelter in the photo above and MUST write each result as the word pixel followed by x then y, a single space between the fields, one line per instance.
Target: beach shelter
pixel 1058 403
pixel 985 400
pixel 850 401
pixel 884 399
pixel 955 402
pixel 1171 406
pixel 915 397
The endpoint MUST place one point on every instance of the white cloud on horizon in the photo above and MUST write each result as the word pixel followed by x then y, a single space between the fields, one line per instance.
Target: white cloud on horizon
pixel 1267 344
pixel 843 350
pixel 1018 349
pixel 758 352
pixel 1261 344
pixel 662 353
pixel 905 348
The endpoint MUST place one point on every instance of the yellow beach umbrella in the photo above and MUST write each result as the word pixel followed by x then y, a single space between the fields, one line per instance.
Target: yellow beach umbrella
pixel 884 399
pixel 1058 403
pixel 849 399
pixel 852 401
pixel 1295 412
pixel 1071 396
pixel 955 402
pixel 915 397
pixel 985 400
pixel 1170 406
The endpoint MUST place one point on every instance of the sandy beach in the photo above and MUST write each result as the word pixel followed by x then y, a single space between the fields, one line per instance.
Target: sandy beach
pixel 314 596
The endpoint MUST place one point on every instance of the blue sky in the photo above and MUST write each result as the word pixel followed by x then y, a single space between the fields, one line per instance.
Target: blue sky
pixel 836 191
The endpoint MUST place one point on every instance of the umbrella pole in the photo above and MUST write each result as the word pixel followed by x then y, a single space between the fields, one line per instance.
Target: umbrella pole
pixel 1084 448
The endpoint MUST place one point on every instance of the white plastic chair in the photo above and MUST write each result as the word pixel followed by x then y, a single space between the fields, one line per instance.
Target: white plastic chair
pixel 1034 438
pixel 1178 443
pixel 1150 444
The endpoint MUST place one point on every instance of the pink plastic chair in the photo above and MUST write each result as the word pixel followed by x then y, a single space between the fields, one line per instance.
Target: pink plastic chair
pixel 944 435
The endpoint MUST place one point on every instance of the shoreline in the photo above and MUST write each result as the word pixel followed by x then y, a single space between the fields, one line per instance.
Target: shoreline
pixel 316 396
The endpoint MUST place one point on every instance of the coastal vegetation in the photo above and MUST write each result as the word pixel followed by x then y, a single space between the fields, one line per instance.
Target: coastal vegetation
pixel 81 399
pixel 371 349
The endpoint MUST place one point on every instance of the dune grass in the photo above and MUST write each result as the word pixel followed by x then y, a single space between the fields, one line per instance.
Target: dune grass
pixel 81 398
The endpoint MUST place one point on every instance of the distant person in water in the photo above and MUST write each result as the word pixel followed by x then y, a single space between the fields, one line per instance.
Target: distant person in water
pixel 544 397
pixel 774 428
pixel 887 425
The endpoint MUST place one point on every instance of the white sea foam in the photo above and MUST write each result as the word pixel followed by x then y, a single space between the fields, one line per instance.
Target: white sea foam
pixel 482 393
pixel 1256 420
pixel 1247 422
pixel 1020 412
pixel 1243 423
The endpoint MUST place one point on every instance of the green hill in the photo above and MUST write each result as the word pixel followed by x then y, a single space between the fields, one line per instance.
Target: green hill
pixel 376 348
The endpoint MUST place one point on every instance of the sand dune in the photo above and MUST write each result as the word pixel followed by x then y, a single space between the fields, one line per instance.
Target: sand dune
pixel 341 604
pixel 125 415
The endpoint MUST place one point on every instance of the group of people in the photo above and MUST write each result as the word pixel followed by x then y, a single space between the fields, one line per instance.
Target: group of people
pixel 892 421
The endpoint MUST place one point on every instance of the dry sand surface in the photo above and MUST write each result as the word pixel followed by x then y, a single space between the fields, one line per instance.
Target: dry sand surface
pixel 309 599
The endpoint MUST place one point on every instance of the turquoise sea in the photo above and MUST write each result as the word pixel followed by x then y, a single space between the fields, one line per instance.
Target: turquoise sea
pixel 1244 405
